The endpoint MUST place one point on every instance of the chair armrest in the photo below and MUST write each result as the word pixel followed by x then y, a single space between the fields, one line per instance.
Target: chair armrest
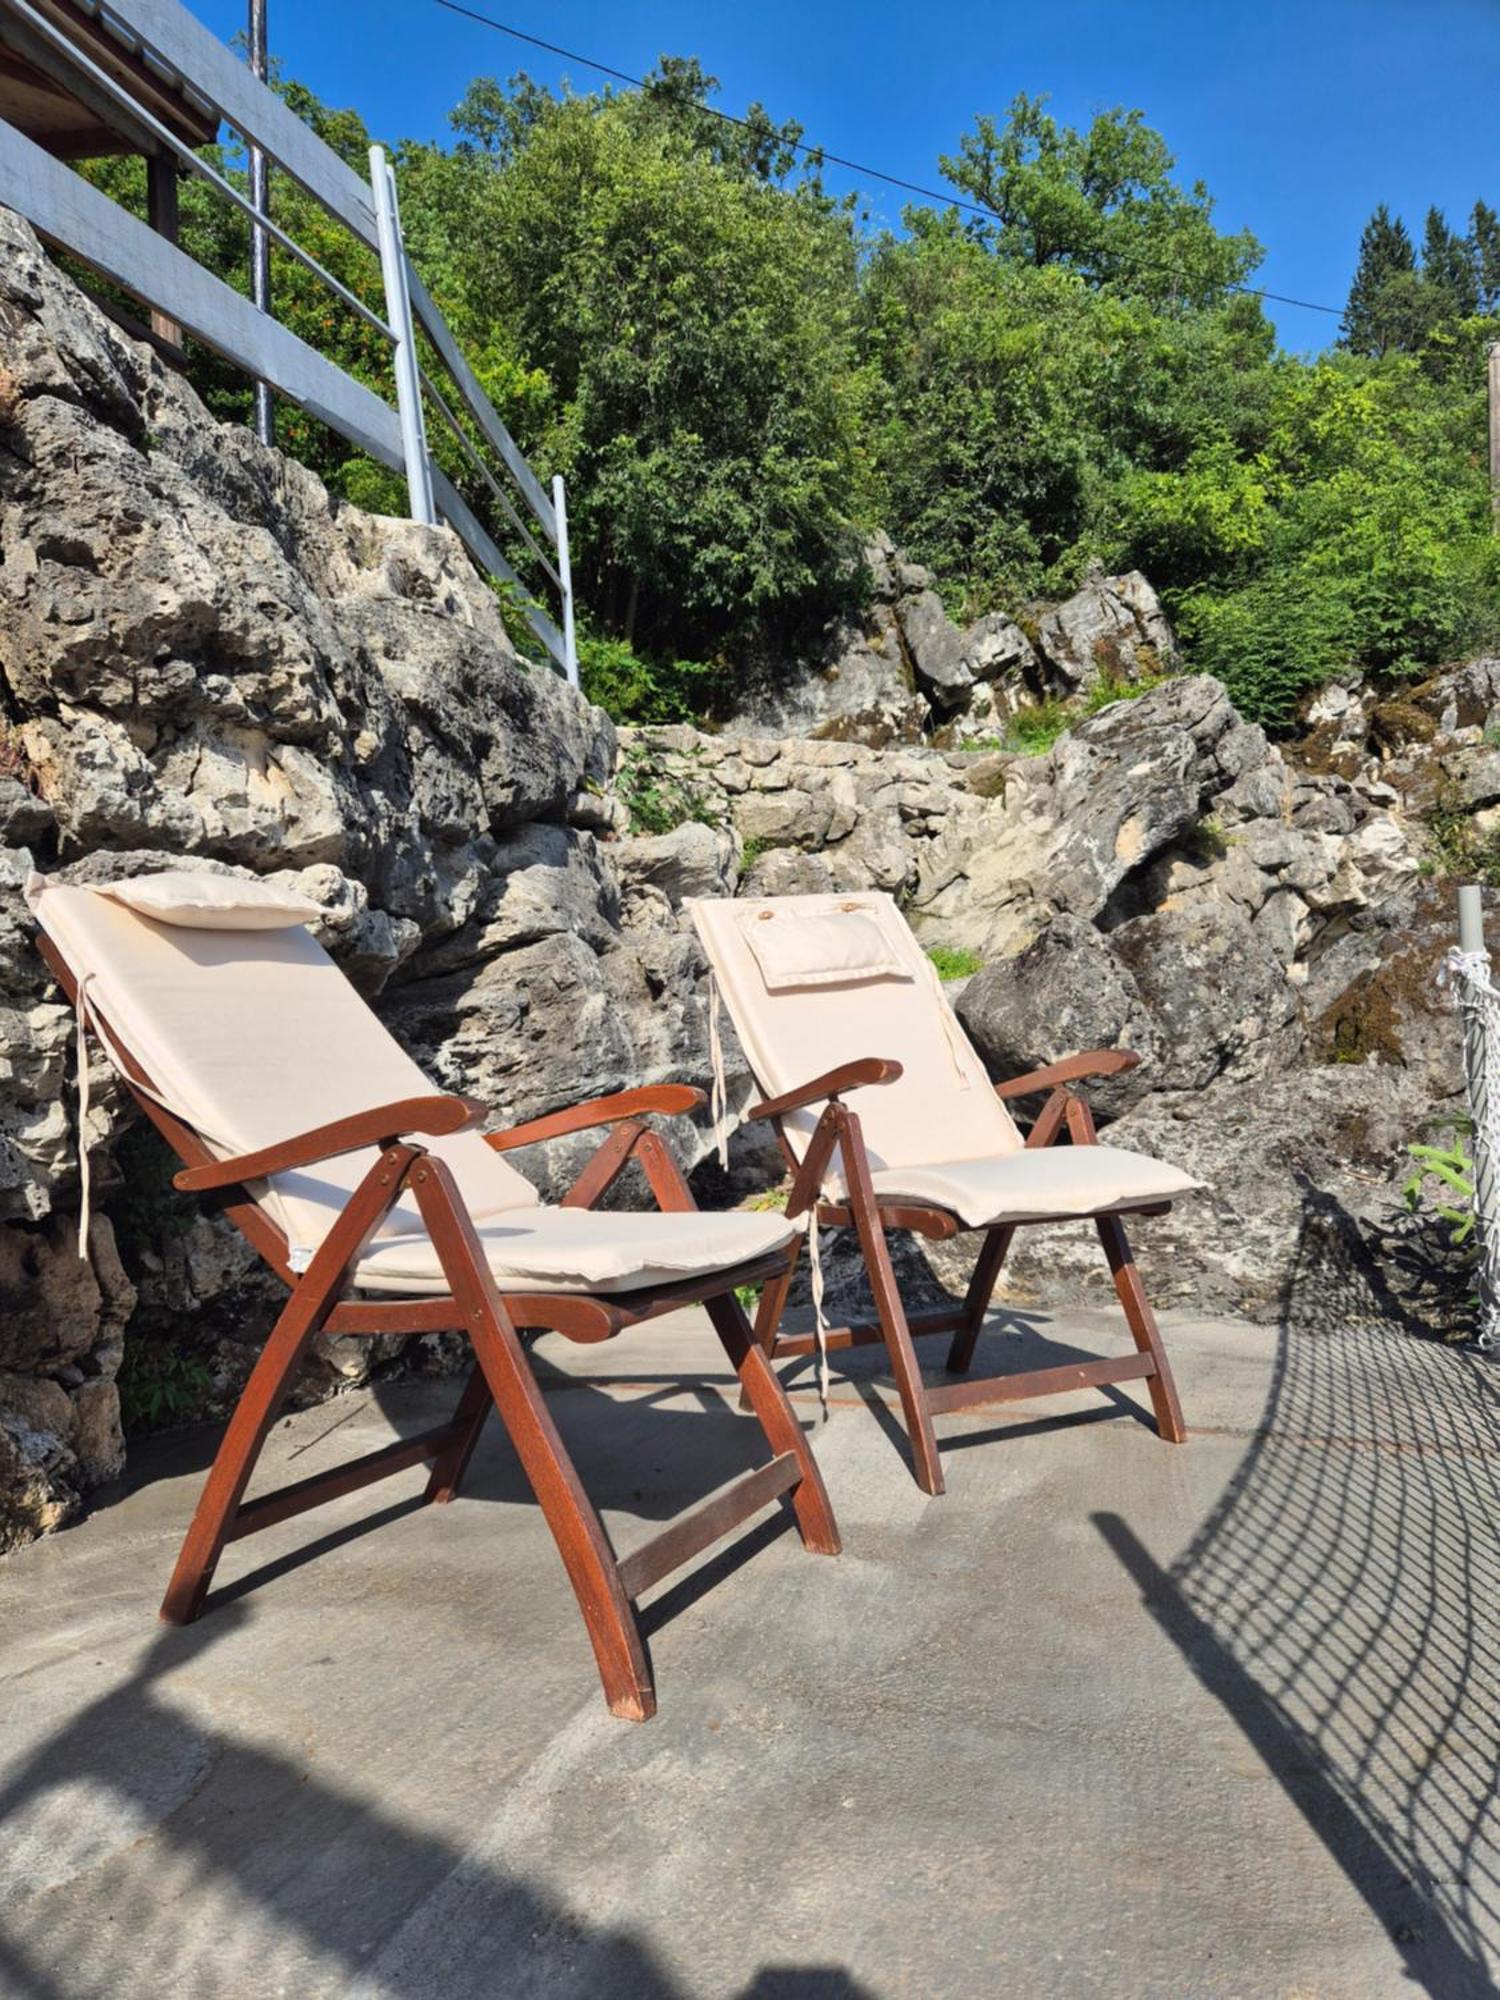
pixel 665 1097
pixel 1097 1062
pixel 432 1115
pixel 834 1082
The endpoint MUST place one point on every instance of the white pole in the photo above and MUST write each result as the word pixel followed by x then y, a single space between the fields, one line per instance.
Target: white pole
pixel 260 243
pixel 398 313
pixel 1481 1063
pixel 1470 918
pixel 565 571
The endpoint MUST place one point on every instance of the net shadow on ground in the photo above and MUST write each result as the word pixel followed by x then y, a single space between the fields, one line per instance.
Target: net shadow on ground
pixel 1343 1603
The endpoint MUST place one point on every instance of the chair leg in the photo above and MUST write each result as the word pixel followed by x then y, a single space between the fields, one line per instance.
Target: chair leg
pixel 576 1528
pixel 992 1255
pixel 889 1310
pixel 768 1311
pixel 470 1415
pixel 273 1374
pixel 766 1397
pixel 1143 1327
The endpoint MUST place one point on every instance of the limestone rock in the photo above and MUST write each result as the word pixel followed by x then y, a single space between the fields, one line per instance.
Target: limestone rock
pixel 937 650
pixel 1064 993
pixel 1113 628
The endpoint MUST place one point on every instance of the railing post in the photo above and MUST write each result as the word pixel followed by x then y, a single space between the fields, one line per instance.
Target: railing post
pixel 260 243
pixel 398 313
pixel 565 577
pixel 1480 1010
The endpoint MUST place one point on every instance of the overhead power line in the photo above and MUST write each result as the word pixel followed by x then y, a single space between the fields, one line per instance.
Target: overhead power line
pixel 819 153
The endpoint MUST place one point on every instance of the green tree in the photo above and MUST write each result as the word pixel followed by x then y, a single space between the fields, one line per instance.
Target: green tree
pixel 1448 267
pixel 1484 237
pixel 1101 203
pixel 1387 265
pixel 695 322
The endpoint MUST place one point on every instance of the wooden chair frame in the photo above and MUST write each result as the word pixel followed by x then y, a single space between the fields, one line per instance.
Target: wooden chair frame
pixel 606 1586
pixel 871 1215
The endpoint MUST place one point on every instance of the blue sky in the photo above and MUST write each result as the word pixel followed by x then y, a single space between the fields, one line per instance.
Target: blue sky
pixel 1299 114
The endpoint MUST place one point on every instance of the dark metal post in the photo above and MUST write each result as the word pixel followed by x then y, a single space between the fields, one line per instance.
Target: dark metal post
pixel 260 243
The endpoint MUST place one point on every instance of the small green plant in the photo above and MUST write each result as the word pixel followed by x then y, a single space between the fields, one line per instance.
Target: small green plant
pixel 513 600
pixel 1109 689
pixel 1459 848
pixel 160 1386
pixel 1031 732
pixel 954 962
pixel 1452 1166
pixel 753 849
pixel 1206 840
pixel 659 801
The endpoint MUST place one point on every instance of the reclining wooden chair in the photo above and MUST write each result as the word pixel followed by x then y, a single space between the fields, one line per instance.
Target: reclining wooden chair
pixel 807 979
pixel 291 1106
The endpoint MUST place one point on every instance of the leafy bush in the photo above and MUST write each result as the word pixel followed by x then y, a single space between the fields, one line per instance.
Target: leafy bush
pixel 633 689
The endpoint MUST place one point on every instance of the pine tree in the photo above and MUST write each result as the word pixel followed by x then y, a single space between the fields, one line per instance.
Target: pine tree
pixel 1484 239
pixel 1448 269
pixel 1385 252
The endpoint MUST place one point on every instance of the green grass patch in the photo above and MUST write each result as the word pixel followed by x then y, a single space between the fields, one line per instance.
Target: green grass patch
pixel 954 963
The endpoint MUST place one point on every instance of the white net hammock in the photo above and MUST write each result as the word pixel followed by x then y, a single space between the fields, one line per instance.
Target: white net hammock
pixel 1466 974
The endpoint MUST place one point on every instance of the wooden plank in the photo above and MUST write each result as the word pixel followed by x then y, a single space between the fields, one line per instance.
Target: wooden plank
pixel 1038 1382
pixel 332 1485
pixel 69 211
pixel 479 405
pixel 254 111
pixel 74 85
pixel 691 1533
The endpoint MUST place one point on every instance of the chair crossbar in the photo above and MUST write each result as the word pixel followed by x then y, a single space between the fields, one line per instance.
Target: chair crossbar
pixel 700 1528
pixel 1038 1382
pixel 865 1333
pixel 285 1501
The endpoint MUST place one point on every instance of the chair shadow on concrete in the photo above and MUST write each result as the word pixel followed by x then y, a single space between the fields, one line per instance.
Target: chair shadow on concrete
pixel 321 1881
pixel 635 1455
pixel 1343 1603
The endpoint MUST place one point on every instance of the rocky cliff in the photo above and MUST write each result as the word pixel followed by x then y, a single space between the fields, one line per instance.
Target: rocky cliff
pixel 203 658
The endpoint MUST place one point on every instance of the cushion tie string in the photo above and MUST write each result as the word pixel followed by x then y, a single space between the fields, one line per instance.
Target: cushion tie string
pixel 953 1034
pixel 815 1257
pixel 82 1043
pixel 719 1097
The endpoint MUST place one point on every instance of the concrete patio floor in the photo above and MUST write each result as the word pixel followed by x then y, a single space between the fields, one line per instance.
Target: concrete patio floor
pixel 1110 1718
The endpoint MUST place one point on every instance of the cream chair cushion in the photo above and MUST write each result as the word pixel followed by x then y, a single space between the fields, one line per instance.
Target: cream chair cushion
pixel 581 1250
pixel 939 1134
pixel 943 1106
pixel 1037 1185
pixel 252 1036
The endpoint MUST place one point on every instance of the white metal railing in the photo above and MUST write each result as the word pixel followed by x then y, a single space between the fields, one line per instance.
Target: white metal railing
pixel 69 211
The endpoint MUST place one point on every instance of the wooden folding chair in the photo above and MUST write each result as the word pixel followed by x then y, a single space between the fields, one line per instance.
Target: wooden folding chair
pixel 933 1148
pixel 366 1170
